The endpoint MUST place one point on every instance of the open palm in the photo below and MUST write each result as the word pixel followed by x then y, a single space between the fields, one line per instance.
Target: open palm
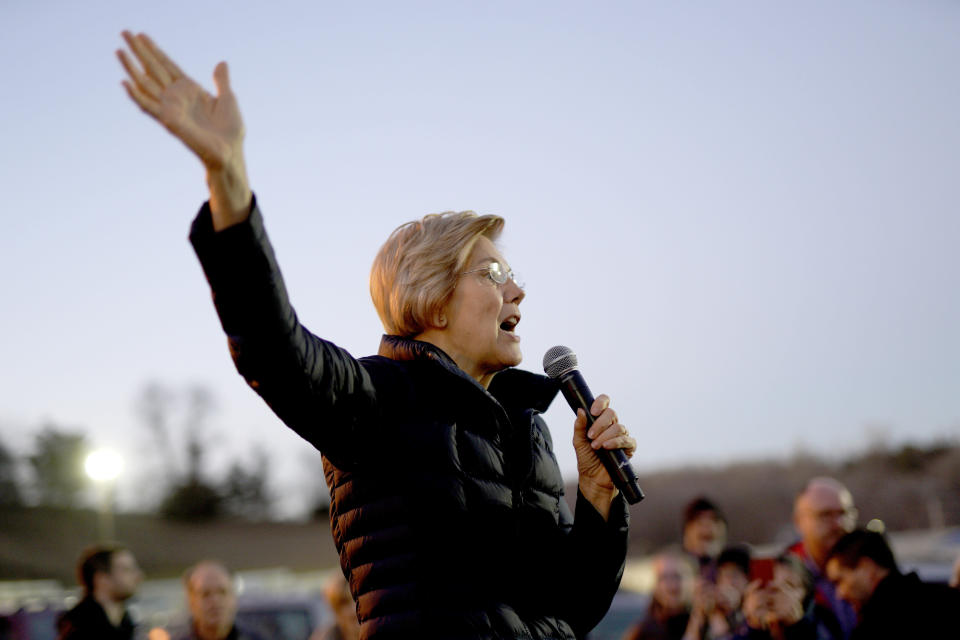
pixel 209 125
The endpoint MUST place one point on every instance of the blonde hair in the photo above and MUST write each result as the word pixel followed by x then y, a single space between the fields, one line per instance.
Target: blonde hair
pixel 417 268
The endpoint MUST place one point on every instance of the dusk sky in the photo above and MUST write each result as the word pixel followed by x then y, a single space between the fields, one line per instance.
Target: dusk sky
pixel 743 217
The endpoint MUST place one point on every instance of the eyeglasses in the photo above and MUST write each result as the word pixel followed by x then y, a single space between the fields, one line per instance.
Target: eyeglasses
pixel 831 515
pixel 497 273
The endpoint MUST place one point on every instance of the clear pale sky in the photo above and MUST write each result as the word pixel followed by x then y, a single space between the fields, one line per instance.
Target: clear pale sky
pixel 744 217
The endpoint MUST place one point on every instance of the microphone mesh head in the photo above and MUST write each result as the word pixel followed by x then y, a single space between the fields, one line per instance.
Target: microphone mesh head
pixel 558 361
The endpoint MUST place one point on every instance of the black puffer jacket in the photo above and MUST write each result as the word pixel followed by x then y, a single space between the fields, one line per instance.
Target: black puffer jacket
pixel 446 500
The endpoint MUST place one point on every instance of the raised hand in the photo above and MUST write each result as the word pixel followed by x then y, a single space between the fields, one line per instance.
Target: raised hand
pixel 756 605
pixel 209 125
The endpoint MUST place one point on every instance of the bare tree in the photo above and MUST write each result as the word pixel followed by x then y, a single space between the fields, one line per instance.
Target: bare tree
pixel 153 405
pixel 246 490
pixel 10 495
pixel 189 493
pixel 57 464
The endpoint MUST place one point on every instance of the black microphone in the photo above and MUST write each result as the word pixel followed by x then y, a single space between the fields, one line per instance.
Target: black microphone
pixel 560 363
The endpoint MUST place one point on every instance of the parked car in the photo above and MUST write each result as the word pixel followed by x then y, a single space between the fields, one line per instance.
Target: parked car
pixel 291 617
pixel 273 616
pixel 30 624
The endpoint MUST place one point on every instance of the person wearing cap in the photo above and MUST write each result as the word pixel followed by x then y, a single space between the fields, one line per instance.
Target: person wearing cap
pixel 704 533
pixel 703 536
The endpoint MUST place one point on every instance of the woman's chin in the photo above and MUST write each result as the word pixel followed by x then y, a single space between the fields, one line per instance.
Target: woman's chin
pixel 507 360
pixel 516 357
pixel 509 349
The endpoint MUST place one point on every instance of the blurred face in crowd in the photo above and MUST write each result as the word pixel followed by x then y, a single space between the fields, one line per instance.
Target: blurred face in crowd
pixel 787 580
pixel 673 583
pixel 731 583
pixel 705 535
pixel 212 600
pixel 822 515
pixel 780 602
pixel 124 577
pixel 855 584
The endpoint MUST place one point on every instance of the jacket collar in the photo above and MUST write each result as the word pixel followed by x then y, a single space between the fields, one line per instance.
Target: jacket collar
pixel 513 388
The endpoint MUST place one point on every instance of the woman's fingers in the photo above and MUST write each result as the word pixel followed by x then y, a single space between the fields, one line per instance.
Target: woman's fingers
pixel 581 422
pixel 605 424
pixel 600 405
pixel 616 437
pixel 607 432
pixel 144 101
pixel 221 78
pixel 144 83
pixel 148 57
pixel 603 416
pixel 166 63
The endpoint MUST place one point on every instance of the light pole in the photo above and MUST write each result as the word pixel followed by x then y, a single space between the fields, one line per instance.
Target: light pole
pixel 103 467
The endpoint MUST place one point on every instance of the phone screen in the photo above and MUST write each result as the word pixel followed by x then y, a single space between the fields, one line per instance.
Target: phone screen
pixel 761 569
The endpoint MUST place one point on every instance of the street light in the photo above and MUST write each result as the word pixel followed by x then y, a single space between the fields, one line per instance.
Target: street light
pixel 103 467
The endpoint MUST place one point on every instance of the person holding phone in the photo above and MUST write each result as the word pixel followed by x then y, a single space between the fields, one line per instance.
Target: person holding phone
pixel 717 614
pixel 783 607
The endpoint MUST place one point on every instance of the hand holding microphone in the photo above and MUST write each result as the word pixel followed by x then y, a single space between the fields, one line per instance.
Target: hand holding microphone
pixel 560 363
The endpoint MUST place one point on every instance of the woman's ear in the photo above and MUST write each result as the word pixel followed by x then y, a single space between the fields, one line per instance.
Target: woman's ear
pixel 438 315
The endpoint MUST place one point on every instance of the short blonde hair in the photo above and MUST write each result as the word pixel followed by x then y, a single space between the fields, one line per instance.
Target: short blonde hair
pixel 417 268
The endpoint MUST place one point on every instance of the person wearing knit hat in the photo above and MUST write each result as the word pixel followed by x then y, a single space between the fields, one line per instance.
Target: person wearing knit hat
pixel 704 532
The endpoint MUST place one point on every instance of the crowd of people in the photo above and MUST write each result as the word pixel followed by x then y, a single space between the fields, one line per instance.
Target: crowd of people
pixel 109 576
pixel 837 582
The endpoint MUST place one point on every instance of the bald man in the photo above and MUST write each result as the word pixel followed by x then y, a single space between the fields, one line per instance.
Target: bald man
pixel 823 512
pixel 212 599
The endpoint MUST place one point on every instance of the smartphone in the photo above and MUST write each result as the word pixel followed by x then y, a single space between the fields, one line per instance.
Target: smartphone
pixel 761 569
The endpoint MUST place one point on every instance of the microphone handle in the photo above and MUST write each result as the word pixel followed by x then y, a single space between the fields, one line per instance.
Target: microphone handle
pixel 578 396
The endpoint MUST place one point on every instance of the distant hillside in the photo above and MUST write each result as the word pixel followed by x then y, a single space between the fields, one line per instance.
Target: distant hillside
pixel 910 488
pixel 44 543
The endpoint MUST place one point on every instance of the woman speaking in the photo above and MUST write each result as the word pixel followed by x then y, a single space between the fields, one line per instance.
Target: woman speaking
pixel 447 504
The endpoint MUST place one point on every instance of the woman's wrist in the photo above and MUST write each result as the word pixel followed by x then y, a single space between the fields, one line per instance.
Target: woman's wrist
pixel 599 496
pixel 230 195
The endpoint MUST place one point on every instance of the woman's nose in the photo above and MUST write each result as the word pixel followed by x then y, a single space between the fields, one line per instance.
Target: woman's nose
pixel 513 293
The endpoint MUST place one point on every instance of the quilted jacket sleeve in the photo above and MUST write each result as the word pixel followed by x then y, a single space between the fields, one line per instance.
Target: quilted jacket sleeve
pixel 318 389
pixel 594 553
